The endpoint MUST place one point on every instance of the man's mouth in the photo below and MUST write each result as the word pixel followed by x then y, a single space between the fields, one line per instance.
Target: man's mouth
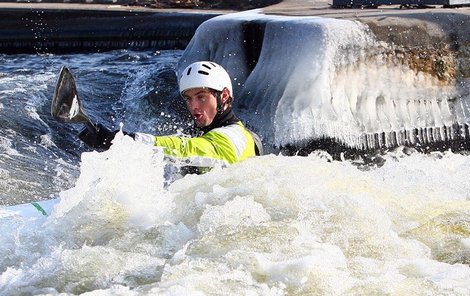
pixel 197 117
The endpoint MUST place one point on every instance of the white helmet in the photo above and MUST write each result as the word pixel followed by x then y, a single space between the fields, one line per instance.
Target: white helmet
pixel 205 74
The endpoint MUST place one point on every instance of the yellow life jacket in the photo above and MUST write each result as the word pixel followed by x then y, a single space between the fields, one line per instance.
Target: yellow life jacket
pixel 220 146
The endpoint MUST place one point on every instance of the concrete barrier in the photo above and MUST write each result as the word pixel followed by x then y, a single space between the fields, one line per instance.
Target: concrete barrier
pixel 67 28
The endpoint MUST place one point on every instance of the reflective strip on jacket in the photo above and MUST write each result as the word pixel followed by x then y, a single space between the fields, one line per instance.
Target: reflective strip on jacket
pixel 219 147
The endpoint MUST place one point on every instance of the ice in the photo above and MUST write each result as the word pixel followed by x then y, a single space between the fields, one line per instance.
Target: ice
pixel 307 78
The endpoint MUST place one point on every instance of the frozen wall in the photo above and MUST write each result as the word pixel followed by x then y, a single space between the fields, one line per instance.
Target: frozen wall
pixel 300 79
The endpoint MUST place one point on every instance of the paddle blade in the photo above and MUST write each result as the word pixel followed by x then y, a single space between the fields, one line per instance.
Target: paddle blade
pixel 66 106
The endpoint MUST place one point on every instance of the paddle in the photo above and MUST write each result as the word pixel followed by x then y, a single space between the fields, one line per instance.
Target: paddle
pixel 66 106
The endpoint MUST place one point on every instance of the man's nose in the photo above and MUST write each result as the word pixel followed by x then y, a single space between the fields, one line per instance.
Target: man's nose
pixel 193 104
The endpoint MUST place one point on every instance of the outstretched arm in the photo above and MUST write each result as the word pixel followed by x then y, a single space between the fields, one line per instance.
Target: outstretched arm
pixel 221 146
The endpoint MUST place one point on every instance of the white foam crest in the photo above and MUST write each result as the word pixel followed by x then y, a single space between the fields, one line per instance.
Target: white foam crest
pixel 107 224
pixel 335 210
pixel 299 273
pixel 83 269
pixel 32 112
pixel 443 276
pixel 204 277
pixel 14 84
pixel 270 225
pixel 109 184
pixel 46 141
pixel 6 147
pixel 241 211
pixel 65 174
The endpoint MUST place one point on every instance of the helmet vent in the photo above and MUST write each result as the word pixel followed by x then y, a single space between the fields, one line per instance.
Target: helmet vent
pixel 204 74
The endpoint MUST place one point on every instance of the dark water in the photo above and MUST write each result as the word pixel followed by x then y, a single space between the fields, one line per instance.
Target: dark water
pixel 39 157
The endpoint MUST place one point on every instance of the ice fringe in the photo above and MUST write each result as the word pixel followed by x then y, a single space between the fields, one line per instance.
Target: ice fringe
pixel 303 79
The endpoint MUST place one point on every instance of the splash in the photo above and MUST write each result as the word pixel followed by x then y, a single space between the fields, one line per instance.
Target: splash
pixel 272 225
pixel 111 199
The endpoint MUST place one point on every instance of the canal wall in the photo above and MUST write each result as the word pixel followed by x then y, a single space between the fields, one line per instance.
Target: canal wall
pixel 66 28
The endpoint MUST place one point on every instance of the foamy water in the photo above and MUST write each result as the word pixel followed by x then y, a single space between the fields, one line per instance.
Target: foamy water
pixel 272 225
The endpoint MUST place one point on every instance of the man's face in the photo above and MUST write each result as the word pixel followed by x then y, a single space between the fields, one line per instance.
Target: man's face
pixel 202 104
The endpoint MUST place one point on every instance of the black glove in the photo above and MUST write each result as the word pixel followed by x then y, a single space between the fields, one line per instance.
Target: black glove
pixel 100 139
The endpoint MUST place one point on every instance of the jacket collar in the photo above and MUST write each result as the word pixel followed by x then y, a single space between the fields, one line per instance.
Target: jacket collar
pixel 221 119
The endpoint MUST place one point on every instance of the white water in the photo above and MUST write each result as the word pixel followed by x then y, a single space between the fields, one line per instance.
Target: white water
pixel 272 225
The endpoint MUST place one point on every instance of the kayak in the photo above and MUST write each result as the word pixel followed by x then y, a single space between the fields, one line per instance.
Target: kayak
pixel 37 209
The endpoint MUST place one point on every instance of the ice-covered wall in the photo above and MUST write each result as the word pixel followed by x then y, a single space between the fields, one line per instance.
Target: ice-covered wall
pixel 300 79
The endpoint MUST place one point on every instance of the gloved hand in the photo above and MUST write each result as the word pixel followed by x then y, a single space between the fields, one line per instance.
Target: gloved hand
pixel 100 139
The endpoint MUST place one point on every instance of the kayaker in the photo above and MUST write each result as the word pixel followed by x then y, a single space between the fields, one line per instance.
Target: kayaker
pixel 206 88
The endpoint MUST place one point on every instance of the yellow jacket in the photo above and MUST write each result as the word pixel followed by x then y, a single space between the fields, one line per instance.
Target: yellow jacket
pixel 220 146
